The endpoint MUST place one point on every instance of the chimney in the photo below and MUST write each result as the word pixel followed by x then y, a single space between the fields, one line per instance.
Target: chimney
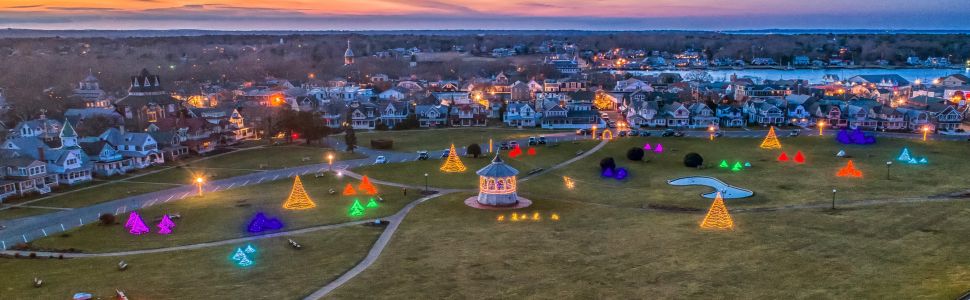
pixel 40 154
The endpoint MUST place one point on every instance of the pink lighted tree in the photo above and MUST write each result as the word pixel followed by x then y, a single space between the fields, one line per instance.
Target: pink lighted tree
pixel 135 224
pixel 166 225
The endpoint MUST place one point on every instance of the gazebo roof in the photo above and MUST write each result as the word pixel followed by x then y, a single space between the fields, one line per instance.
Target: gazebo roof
pixel 497 168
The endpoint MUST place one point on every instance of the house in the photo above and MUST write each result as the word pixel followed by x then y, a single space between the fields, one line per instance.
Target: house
pixel 880 80
pixel 889 118
pixel 393 113
pixel 801 60
pixel 43 128
pixel 764 113
pixel 730 115
pixel 946 117
pixel 916 119
pixel 702 116
pixel 432 115
pixel 147 102
pixel 89 94
pixel 677 115
pixel 642 113
pixel 140 147
pixel 395 93
pixel 858 117
pixel 955 80
pixel 521 114
pixel 362 115
pixel 574 115
pixel 22 175
pixel 631 85
pixel 105 159
pixel 468 114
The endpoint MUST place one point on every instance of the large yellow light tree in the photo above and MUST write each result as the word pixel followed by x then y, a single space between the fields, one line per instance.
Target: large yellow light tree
pixel 771 141
pixel 453 164
pixel 298 199
pixel 718 217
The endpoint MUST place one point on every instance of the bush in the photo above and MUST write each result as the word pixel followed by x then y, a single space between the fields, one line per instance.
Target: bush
pixel 381 127
pixel 607 163
pixel 635 154
pixel 382 144
pixel 32 255
pixel 107 219
pixel 474 150
pixel 693 160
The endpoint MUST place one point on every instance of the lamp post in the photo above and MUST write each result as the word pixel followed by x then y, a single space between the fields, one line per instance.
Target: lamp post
pixel 926 130
pixel 888 165
pixel 425 182
pixel 821 126
pixel 199 181
pixel 833 198
pixel 330 162
pixel 711 130
pixel 594 132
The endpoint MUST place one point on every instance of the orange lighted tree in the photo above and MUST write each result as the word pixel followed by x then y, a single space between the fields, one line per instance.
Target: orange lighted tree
pixel 349 190
pixel 718 216
pixel 298 197
pixel 771 141
pixel 366 186
pixel 453 164
pixel 849 171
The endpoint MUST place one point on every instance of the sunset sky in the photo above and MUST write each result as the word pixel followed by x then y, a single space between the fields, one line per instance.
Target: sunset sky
pixel 485 14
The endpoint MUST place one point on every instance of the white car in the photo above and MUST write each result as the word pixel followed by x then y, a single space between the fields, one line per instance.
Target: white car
pixel 380 160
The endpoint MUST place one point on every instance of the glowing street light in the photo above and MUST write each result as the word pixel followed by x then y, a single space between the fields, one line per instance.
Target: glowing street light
pixel 821 126
pixel 199 181
pixel 330 161
pixel 926 130
pixel 594 132
pixel 711 130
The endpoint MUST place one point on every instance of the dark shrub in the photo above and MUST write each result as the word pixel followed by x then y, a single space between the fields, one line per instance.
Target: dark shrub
pixel 382 144
pixel 607 163
pixel 107 219
pixel 33 255
pixel 381 126
pixel 635 154
pixel 693 160
pixel 474 150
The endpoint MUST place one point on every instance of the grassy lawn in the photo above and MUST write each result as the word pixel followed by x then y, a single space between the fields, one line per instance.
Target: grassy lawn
pixel 226 214
pixel 100 194
pixel 413 172
pixel 247 161
pixel 439 139
pixel 447 250
pixel 774 183
pixel 280 272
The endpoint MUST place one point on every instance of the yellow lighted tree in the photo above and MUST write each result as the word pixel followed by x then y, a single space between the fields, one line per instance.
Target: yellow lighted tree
pixel 453 164
pixel 298 197
pixel 771 141
pixel 718 216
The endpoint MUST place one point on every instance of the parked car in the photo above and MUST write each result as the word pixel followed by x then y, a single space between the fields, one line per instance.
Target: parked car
pixel 634 132
pixel 668 132
pixel 623 133
pixel 512 144
pixel 644 133
pixel 794 133
pixel 542 140
pixel 504 146
pixel 444 153
pixel 718 133
pixel 582 132
pixel 380 160
pixel 423 155
pixel 533 140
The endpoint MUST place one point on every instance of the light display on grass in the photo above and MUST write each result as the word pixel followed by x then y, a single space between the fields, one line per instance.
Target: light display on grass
pixel 621 174
pixel 771 140
pixel 241 258
pixel 799 157
pixel 261 223
pixel 841 153
pixel 453 164
pixel 747 164
pixel 849 171
pixel 658 149
pixel 249 249
pixel 532 151
pixel 608 173
pixel 372 203
pixel 647 146
pixel 570 183
pixel 554 217
pixel 724 164
pixel 298 198
pixel 737 167
pixel 356 209
pixel 366 186
pixel 349 190
pixel 516 151
pixel 135 224
pixel 856 137
pixel 905 155
pixel 607 135
pixel 535 217
pixel 783 157
pixel 166 225
pixel 717 216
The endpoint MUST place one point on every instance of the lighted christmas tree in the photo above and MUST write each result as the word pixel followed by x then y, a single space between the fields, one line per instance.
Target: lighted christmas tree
pixel 372 203
pixel 737 167
pixel 349 190
pixel 250 249
pixel 366 186
pixel 724 164
pixel 905 155
pixel 515 152
pixel 799 157
pixel 783 157
pixel 849 171
pixel 166 225
pixel 924 161
pixel 356 209
pixel 453 164
pixel 771 141
pixel 646 146
pixel 718 217
pixel 532 151
pixel 135 225
pixel 261 223
pixel 238 255
pixel 298 197
pixel 658 149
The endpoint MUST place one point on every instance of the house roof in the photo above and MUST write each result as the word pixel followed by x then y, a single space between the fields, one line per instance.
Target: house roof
pixel 497 168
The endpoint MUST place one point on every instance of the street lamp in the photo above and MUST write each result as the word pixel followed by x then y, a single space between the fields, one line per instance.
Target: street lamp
pixel 888 165
pixel 594 132
pixel 425 182
pixel 199 181
pixel 821 126
pixel 711 130
pixel 330 161
pixel 833 198
pixel 926 130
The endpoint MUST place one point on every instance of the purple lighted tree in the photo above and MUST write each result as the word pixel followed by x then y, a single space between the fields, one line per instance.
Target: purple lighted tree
pixel 135 225
pixel 166 225
pixel 659 148
pixel 646 146
pixel 608 172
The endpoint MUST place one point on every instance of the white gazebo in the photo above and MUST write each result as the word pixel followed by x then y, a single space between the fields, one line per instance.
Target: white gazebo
pixel 497 186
